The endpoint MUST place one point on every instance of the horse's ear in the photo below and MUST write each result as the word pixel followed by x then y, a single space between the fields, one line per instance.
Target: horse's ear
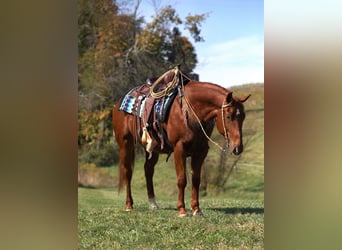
pixel 229 97
pixel 243 99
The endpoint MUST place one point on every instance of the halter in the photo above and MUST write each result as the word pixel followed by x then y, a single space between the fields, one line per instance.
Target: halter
pixel 224 122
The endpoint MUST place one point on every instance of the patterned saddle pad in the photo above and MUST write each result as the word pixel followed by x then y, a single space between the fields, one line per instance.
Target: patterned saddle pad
pixel 134 103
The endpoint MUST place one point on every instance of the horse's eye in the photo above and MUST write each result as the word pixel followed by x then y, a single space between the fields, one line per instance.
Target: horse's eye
pixel 229 117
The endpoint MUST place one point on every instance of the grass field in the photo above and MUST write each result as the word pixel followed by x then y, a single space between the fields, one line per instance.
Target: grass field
pixel 227 224
pixel 233 212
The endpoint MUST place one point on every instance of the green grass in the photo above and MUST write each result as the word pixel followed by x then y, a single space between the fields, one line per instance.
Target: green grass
pixel 227 224
pixel 234 217
pixel 234 212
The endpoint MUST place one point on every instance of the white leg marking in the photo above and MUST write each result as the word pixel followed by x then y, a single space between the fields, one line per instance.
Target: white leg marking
pixel 197 213
pixel 153 203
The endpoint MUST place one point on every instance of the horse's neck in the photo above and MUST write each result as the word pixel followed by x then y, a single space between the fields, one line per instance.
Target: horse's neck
pixel 205 98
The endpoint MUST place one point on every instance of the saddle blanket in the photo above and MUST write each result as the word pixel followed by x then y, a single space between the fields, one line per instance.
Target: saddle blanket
pixel 130 104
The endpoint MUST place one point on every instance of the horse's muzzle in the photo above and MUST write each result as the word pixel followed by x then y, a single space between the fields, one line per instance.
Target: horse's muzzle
pixel 238 150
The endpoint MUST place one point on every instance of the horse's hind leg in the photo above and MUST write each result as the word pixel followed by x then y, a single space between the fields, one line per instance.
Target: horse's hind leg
pixel 150 162
pixel 126 169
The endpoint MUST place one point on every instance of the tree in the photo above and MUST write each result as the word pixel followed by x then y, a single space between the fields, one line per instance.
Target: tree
pixel 118 51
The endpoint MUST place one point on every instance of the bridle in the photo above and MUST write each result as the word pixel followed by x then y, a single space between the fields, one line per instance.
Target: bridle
pixel 224 123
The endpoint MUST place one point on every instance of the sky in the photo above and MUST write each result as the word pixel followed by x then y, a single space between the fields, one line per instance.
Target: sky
pixel 233 50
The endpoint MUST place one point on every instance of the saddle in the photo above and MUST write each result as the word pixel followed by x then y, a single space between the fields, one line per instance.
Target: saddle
pixel 151 109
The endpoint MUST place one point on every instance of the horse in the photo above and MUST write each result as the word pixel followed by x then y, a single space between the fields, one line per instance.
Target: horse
pixel 188 127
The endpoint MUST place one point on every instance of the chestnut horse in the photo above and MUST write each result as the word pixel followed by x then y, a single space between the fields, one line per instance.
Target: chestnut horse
pixel 188 128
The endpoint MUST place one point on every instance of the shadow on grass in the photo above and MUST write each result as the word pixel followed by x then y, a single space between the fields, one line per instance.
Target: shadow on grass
pixel 226 210
pixel 238 210
pixel 168 208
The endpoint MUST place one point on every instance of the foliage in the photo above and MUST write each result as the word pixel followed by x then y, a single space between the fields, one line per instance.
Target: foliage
pixel 118 50
pixel 92 127
pixel 108 155
pixel 193 23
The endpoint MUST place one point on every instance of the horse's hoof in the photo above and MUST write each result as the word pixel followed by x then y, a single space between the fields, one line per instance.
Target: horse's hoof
pixel 129 209
pixel 182 215
pixel 153 204
pixel 197 213
pixel 154 207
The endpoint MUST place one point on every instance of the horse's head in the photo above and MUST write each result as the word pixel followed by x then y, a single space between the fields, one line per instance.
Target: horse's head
pixel 229 121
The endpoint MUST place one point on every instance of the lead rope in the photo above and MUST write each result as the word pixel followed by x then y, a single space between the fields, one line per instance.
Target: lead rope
pixel 203 130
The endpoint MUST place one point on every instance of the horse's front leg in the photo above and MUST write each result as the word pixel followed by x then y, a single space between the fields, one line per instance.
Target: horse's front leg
pixel 196 166
pixel 149 172
pixel 180 164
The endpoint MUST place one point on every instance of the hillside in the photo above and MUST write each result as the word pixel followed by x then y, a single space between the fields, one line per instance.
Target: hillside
pixel 256 90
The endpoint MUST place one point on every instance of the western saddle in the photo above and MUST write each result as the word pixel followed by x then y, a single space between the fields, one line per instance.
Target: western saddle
pixel 150 104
